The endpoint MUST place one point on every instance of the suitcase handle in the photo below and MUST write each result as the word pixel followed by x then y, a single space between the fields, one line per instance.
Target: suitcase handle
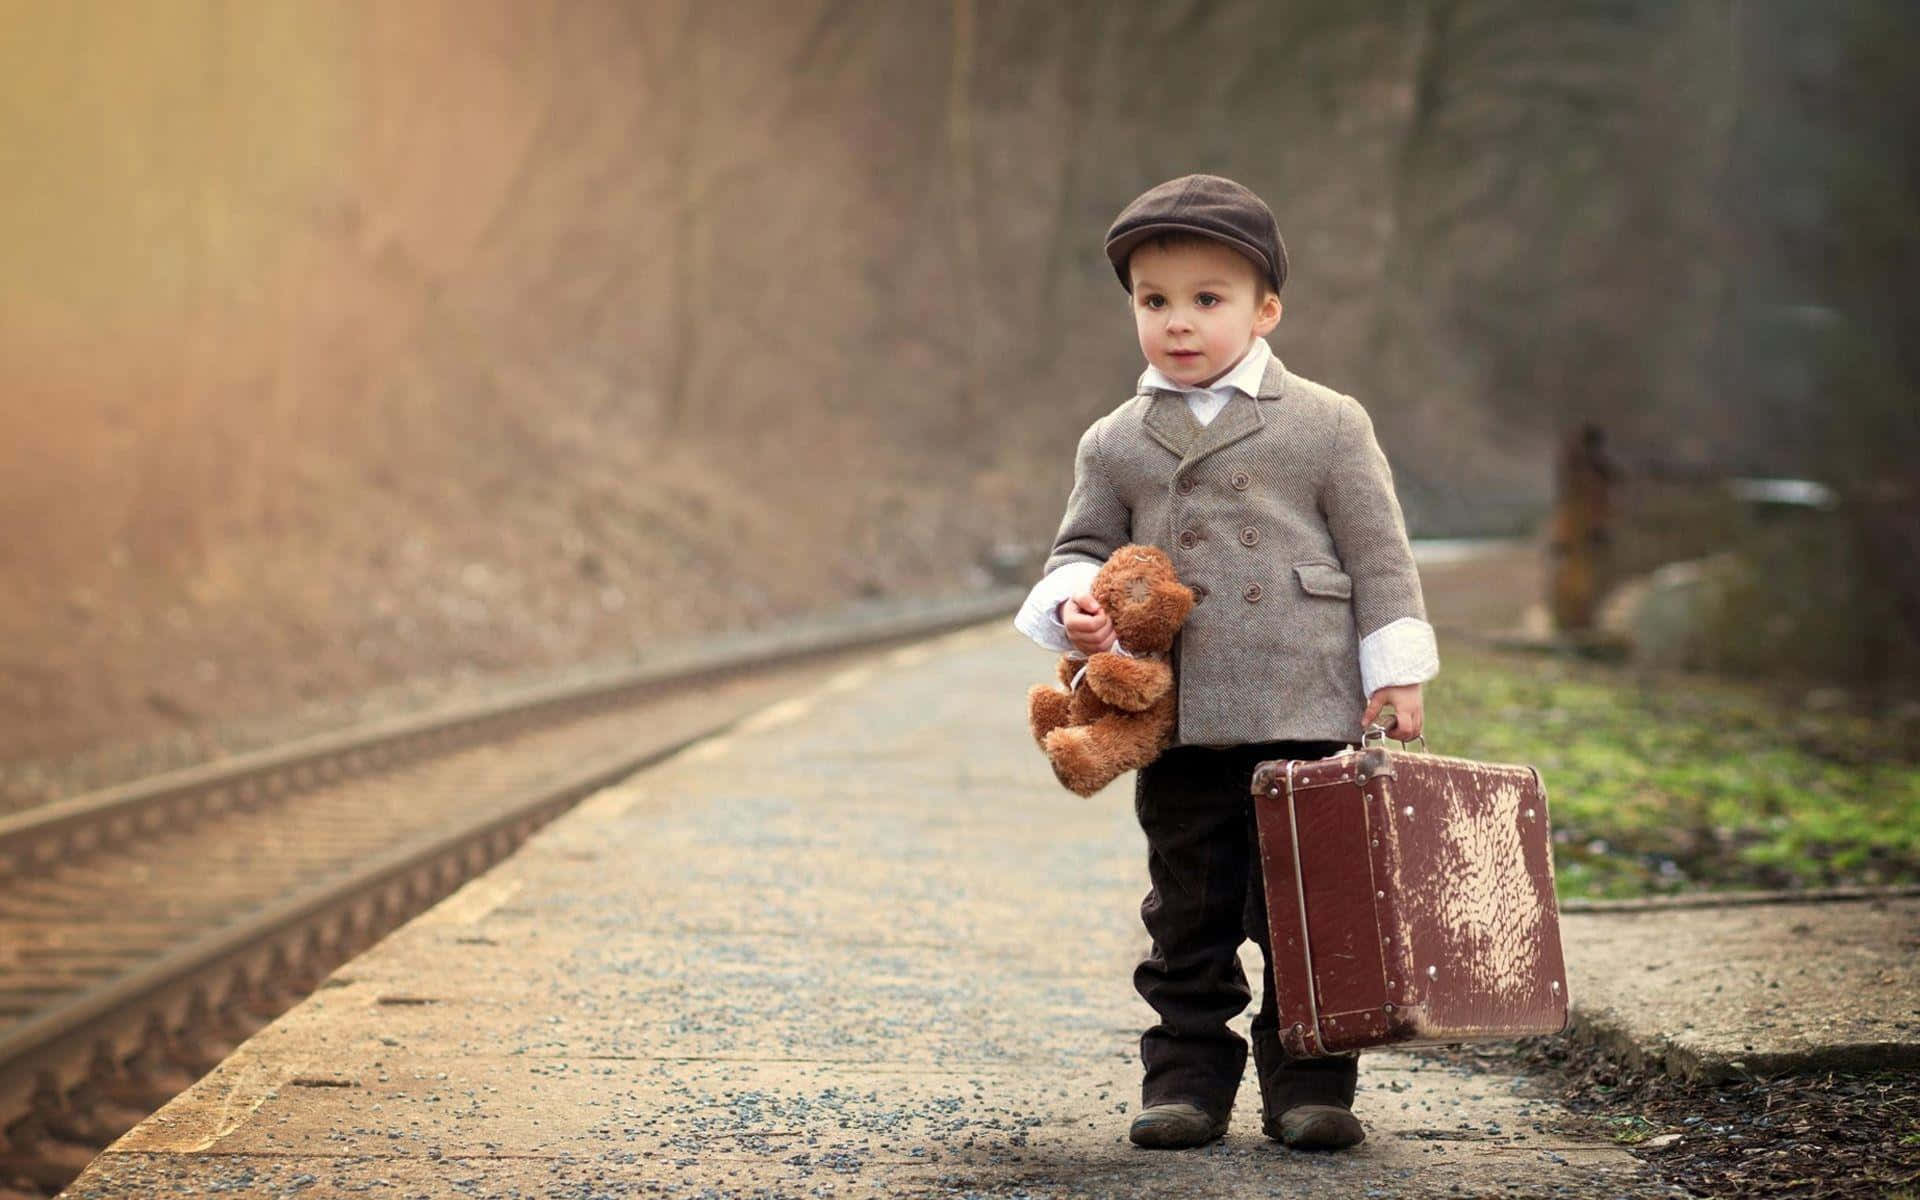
pixel 1378 733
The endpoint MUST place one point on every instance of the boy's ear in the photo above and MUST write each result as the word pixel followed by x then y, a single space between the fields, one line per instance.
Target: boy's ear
pixel 1267 314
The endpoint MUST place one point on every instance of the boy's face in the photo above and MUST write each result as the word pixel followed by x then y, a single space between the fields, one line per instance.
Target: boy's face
pixel 1197 308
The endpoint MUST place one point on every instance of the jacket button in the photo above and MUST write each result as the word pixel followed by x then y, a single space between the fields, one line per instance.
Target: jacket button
pixel 1199 591
pixel 1249 536
pixel 1240 481
pixel 1185 485
pixel 1253 593
pixel 1188 539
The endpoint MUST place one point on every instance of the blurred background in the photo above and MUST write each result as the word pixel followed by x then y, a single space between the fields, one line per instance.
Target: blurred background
pixel 353 344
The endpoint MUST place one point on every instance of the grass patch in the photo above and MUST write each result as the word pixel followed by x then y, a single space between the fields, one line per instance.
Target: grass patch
pixel 1631 1130
pixel 1664 783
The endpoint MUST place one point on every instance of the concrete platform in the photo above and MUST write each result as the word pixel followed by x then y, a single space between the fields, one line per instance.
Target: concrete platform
pixel 864 946
pixel 1759 988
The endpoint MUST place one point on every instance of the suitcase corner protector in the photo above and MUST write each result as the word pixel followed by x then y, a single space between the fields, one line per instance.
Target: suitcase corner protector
pixel 1374 762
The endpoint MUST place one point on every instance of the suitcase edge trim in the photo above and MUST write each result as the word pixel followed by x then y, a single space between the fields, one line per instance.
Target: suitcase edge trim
pixel 1310 1037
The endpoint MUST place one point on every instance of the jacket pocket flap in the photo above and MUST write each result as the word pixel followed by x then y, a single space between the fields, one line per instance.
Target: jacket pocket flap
pixel 1324 579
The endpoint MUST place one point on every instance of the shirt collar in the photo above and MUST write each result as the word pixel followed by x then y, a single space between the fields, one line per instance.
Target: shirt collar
pixel 1245 375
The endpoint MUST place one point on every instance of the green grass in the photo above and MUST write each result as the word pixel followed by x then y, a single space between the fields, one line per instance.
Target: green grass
pixel 1631 1130
pixel 1669 783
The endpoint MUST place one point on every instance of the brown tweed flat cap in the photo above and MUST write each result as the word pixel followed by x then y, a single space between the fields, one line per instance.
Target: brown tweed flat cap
pixel 1206 205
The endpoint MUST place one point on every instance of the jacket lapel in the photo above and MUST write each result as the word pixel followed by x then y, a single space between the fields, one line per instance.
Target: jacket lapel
pixel 1238 419
pixel 1171 423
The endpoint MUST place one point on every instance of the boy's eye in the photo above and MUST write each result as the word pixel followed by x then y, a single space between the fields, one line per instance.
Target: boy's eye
pixel 1207 299
pixel 1154 301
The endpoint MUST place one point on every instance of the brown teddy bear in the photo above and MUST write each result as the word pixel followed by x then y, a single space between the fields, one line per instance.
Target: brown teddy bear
pixel 1117 713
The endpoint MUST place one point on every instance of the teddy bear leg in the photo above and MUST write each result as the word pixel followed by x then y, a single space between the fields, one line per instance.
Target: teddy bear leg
pixel 1076 761
pixel 1046 710
pixel 1128 741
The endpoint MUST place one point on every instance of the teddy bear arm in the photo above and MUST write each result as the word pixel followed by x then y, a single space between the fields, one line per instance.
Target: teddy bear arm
pixel 1129 683
pixel 1046 710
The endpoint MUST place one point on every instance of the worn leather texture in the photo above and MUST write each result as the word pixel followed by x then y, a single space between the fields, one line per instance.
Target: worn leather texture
pixel 1409 900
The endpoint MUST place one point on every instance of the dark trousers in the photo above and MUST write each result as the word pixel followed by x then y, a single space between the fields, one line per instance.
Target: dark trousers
pixel 1203 860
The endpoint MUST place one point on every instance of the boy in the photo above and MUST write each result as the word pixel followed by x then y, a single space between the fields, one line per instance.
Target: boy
pixel 1276 505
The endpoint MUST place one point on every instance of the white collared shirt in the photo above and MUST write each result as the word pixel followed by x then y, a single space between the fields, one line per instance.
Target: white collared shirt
pixel 1400 652
pixel 1205 403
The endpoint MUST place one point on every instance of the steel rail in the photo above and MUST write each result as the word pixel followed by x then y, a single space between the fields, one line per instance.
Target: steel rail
pixel 112 1022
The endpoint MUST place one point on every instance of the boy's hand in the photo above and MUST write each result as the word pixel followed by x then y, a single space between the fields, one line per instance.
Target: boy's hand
pixel 1408 714
pixel 1088 626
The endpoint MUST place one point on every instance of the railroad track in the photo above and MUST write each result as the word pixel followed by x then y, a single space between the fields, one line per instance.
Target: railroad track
pixel 147 929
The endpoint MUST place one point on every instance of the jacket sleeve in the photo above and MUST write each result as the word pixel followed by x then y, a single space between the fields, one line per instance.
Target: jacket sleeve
pixel 1097 522
pixel 1370 535
pixel 1039 616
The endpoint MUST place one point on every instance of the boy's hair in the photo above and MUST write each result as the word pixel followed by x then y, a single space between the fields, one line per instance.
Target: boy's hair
pixel 1180 239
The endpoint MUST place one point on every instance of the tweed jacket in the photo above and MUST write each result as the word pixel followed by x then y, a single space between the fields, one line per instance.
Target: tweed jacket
pixel 1280 514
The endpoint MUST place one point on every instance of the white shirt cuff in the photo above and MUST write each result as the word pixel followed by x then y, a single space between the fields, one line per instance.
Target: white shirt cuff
pixel 1039 617
pixel 1398 653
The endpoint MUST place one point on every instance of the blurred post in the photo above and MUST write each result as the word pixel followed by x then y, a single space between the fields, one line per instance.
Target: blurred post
pixel 1581 534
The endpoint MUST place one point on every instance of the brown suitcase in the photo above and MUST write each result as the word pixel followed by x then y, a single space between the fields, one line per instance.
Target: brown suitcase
pixel 1410 900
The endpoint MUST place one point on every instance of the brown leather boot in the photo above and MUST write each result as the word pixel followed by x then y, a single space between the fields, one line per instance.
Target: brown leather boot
pixel 1307 1103
pixel 1316 1127
pixel 1175 1127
